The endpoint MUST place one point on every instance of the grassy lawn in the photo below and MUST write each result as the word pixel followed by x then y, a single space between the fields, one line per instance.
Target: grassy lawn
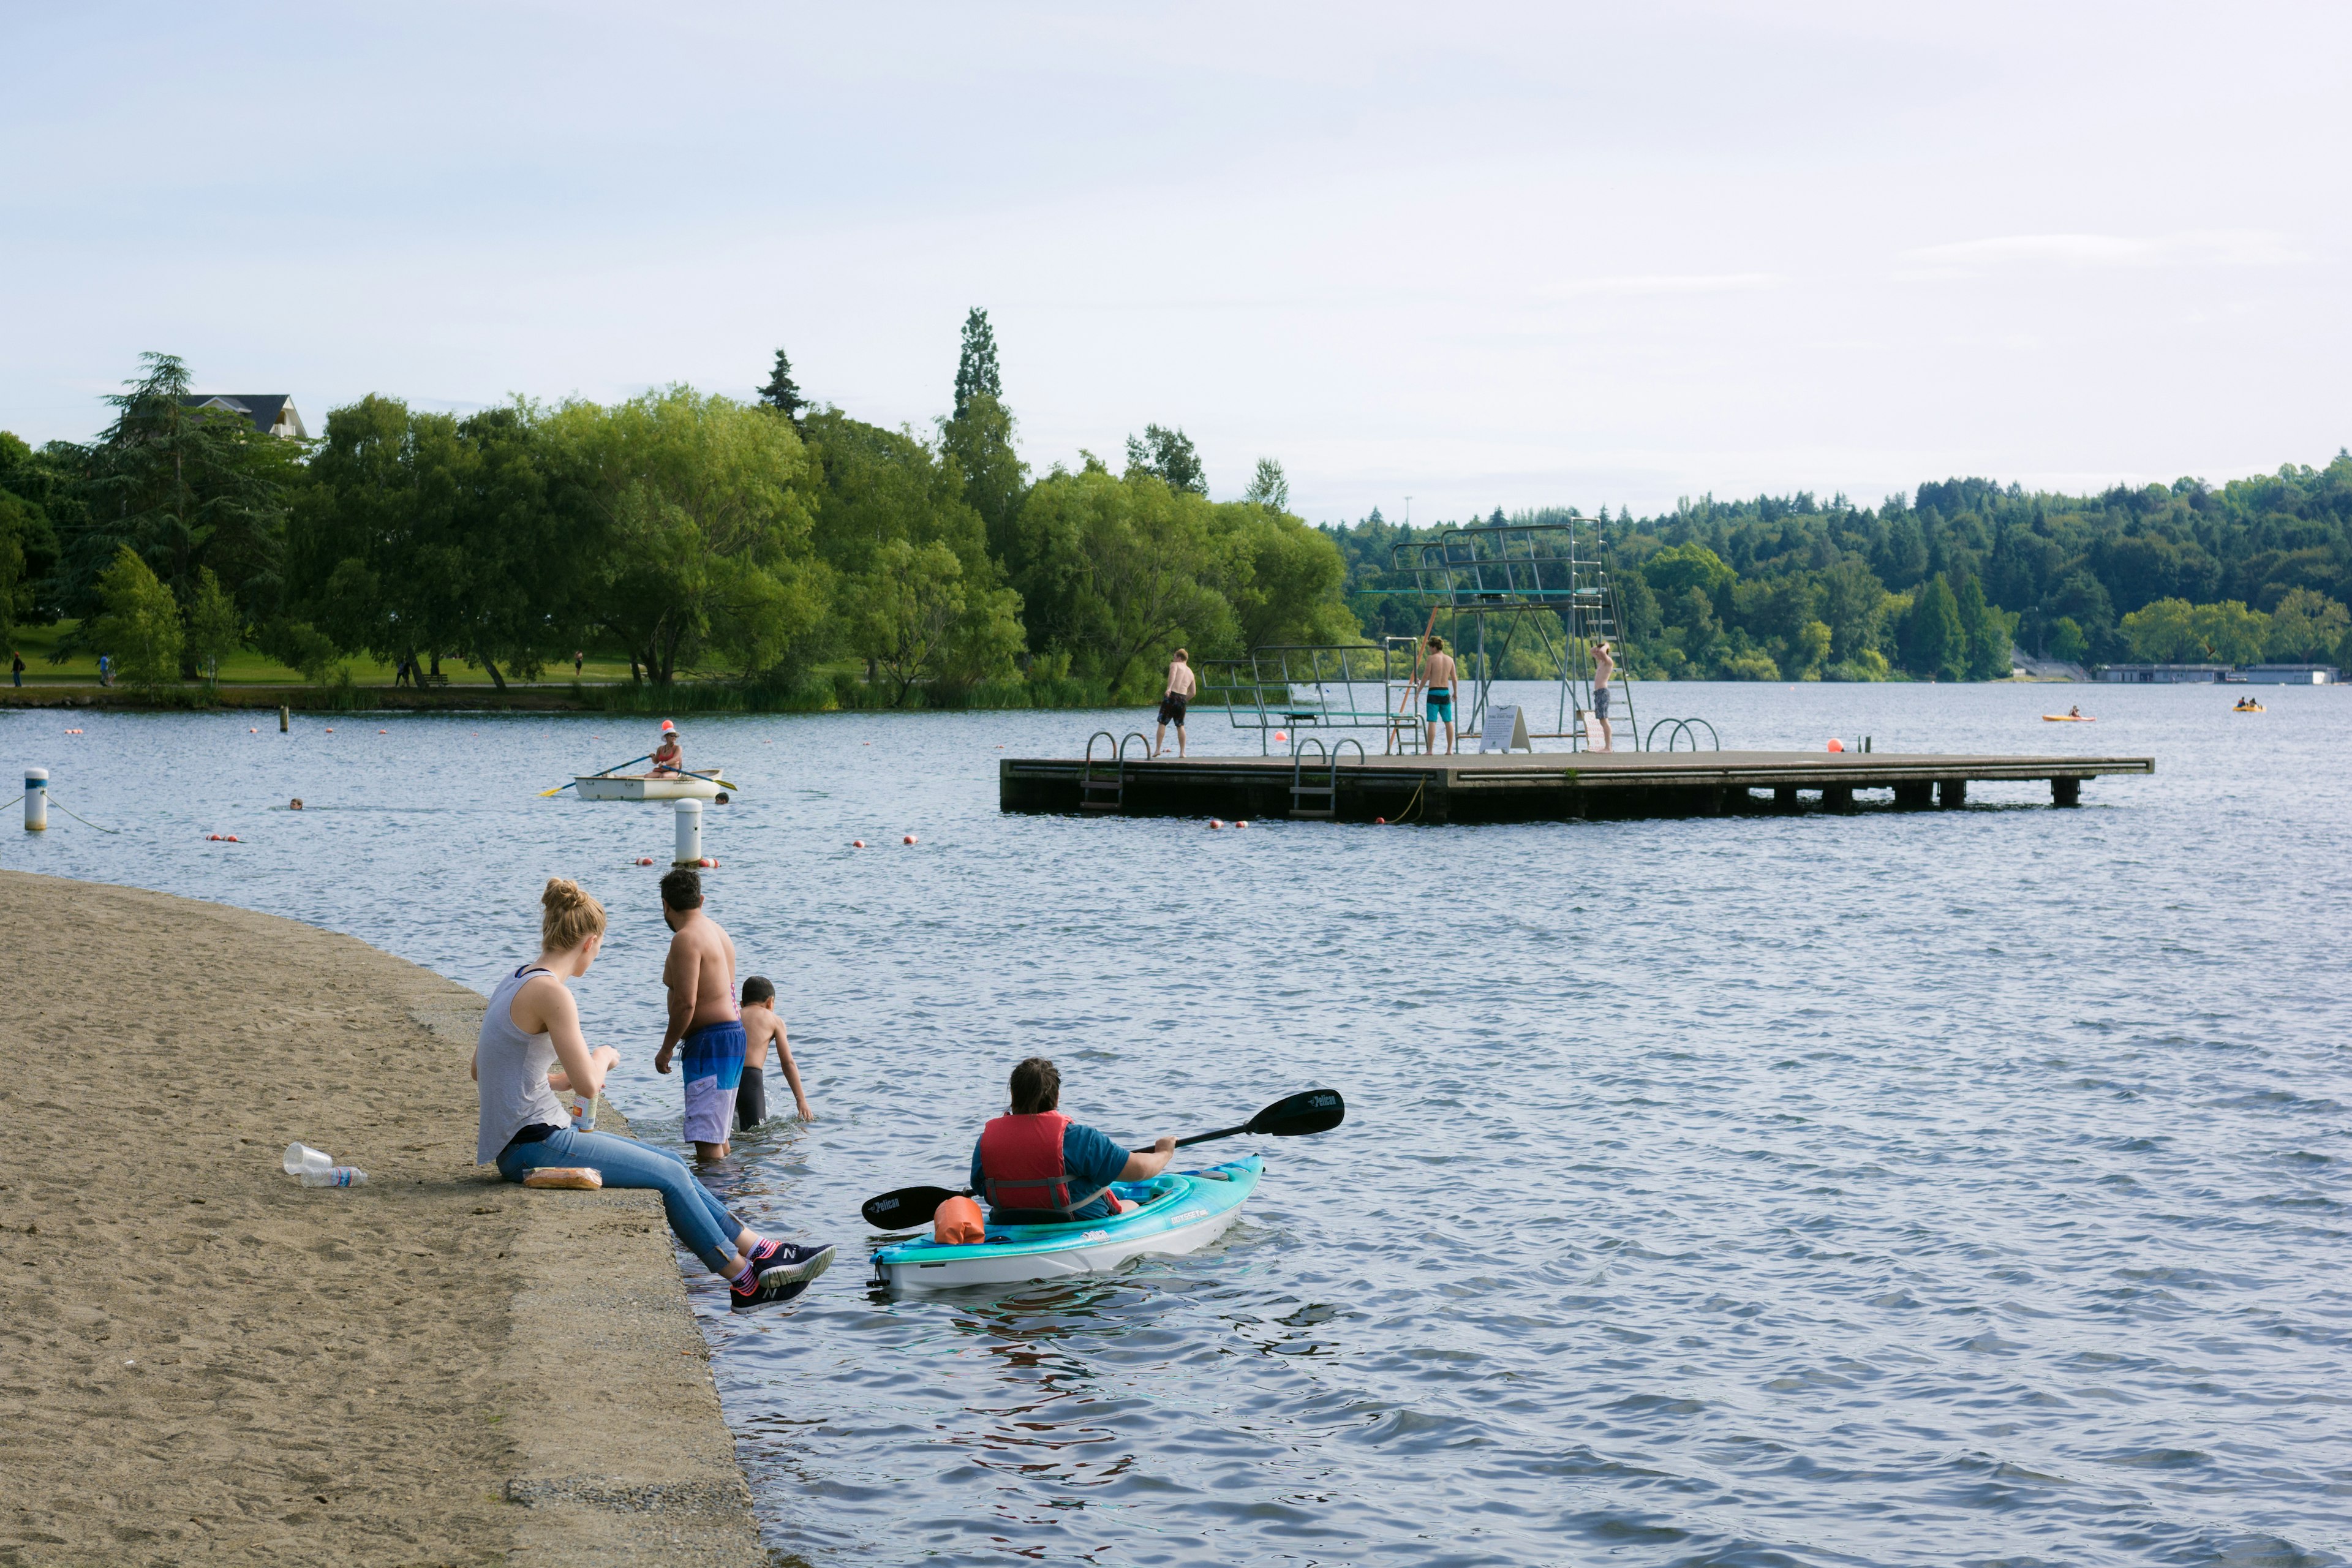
pixel 249 668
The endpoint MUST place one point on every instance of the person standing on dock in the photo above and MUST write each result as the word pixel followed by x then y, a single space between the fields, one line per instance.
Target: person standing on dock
pixel 703 1022
pixel 668 758
pixel 1181 686
pixel 1604 670
pixel 1437 673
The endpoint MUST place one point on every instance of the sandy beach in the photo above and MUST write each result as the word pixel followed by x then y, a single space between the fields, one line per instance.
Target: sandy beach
pixel 207 1363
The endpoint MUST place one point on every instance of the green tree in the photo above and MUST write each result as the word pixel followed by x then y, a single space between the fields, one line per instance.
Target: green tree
pixel 1988 631
pixel 2164 631
pixel 183 486
pixel 2230 632
pixel 2307 626
pixel 1852 604
pixel 139 623
pixel 1269 487
pixel 1166 456
pixel 782 394
pixel 1935 645
pixel 915 618
pixel 979 442
pixel 216 626
pixel 28 542
pixel 1284 579
pixel 2067 643
pixel 1681 568
pixel 692 508
pixel 1121 567
pixel 976 371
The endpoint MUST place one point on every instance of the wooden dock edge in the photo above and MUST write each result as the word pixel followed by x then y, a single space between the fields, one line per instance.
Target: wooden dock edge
pixel 1532 790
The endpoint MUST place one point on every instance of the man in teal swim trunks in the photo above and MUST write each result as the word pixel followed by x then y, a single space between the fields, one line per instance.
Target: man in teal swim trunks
pixel 1437 675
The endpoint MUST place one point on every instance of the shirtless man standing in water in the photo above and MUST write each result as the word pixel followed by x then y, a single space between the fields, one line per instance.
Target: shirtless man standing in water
pixel 700 975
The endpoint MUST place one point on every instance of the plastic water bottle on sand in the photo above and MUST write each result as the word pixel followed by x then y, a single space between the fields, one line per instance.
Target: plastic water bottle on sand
pixel 317 1168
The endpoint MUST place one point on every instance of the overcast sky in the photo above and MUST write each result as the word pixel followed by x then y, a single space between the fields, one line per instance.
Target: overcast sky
pixel 1481 255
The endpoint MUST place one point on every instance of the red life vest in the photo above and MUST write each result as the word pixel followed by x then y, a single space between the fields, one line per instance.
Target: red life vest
pixel 1021 1164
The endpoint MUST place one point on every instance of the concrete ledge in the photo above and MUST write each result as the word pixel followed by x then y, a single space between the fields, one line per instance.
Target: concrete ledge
pixel 201 1362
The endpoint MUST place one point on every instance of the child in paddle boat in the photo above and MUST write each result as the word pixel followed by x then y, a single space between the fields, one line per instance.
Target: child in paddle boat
pixel 531 1046
pixel 761 1023
pixel 1036 1167
pixel 668 758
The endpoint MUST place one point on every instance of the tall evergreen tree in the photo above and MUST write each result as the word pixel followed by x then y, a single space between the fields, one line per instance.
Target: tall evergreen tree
pixel 976 374
pixel 781 393
pixel 1935 644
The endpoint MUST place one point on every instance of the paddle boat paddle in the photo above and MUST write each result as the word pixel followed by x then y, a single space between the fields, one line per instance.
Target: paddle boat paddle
pixel 708 778
pixel 615 768
pixel 1312 1110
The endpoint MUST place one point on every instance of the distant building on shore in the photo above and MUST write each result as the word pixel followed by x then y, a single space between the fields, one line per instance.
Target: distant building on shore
pixel 2209 674
pixel 272 413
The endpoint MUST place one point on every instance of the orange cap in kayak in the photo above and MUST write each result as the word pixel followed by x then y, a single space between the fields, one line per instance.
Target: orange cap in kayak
pixel 958 1224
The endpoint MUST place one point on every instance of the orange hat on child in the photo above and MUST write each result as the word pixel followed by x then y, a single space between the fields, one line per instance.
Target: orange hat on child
pixel 958 1224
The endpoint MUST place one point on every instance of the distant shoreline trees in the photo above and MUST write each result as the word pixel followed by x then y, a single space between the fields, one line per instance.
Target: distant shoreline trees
pixel 777 542
pixel 1939 586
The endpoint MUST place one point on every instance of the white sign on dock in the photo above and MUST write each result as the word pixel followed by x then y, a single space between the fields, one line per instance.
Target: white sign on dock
pixel 1506 730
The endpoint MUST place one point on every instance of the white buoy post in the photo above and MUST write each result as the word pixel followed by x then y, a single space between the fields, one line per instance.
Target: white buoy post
pixel 37 800
pixel 690 834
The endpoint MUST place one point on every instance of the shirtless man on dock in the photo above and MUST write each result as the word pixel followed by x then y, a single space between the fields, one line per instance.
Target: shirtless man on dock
pixel 1181 686
pixel 700 976
pixel 1437 676
pixel 1604 670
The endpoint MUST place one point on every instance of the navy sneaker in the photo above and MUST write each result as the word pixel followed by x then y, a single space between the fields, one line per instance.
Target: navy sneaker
pixel 751 1292
pixel 789 1262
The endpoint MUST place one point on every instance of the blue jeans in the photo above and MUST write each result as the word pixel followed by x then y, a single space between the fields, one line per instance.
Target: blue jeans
pixel 699 1220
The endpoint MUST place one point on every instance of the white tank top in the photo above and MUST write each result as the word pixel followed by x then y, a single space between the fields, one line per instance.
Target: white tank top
pixel 512 1068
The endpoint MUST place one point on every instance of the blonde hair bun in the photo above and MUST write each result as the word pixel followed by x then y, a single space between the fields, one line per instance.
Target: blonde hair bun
pixel 569 915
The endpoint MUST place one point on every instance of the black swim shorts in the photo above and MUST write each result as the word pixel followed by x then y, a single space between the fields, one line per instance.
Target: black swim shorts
pixel 1171 710
pixel 750 1099
pixel 1600 703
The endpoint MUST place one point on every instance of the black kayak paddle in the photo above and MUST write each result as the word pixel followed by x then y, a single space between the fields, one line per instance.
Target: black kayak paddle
pixel 1313 1111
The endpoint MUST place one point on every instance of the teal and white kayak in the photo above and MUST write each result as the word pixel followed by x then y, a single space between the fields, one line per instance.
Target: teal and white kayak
pixel 1183 1212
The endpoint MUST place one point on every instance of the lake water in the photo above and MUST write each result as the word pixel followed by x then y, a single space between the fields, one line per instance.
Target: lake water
pixel 1959 1187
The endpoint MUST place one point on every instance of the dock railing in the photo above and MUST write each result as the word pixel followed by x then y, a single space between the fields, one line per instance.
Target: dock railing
pixel 1320 686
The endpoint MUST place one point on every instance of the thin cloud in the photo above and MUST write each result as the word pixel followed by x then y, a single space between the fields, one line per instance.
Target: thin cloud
pixel 2203 247
pixel 1663 284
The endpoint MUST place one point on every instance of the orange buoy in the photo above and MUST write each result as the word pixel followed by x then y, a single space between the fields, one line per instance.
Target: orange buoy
pixel 1379 822
pixel 1241 825
pixel 908 839
pixel 1213 823
pixel 1280 735
pixel 645 859
pixel 252 731
pixel 707 863
pixel 857 844
pixel 1834 745
pixel 384 731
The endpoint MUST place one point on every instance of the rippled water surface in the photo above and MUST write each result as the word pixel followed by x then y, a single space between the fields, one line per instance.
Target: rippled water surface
pixel 1936 1187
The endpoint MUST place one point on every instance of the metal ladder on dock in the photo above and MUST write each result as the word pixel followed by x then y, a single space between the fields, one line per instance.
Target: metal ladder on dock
pixel 1092 790
pixel 1329 789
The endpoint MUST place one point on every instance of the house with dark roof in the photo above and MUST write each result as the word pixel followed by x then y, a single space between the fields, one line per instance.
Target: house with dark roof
pixel 272 413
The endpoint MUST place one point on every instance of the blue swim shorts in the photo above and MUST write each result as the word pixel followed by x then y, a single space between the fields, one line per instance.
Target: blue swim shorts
pixel 1441 706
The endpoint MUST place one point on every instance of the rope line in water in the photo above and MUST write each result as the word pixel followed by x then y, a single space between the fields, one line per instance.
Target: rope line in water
pixel 78 816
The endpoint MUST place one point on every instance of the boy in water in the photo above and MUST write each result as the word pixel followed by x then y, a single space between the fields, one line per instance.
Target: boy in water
pixel 761 1025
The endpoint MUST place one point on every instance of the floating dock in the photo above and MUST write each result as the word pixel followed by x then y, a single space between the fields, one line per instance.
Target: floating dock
pixel 1519 787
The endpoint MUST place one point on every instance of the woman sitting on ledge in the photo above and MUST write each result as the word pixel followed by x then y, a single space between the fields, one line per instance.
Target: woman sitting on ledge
pixel 531 1046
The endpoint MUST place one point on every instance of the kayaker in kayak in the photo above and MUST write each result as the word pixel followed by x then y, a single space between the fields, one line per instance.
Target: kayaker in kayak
pixel 1036 1167
pixel 668 758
